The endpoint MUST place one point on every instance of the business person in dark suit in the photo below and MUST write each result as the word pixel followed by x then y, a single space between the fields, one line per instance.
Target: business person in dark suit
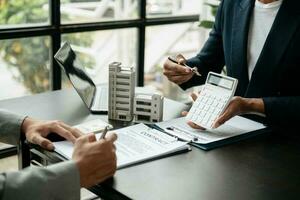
pixel 92 161
pixel 259 43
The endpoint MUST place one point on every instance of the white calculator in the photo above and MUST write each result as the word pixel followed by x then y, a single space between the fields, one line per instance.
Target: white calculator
pixel 212 100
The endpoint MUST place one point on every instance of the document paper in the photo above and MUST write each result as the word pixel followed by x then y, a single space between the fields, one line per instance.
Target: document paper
pixel 233 127
pixel 135 144
pixel 93 126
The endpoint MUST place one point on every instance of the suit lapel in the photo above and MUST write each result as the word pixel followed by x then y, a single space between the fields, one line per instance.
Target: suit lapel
pixel 284 26
pixel 240 31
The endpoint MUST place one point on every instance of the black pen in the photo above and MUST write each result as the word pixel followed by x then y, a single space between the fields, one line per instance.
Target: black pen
pixel 154 126
pixel 104 133
pixel 177 130
pixel 193 69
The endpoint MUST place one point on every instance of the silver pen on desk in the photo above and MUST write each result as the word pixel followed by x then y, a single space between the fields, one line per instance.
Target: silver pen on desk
pixel 104 133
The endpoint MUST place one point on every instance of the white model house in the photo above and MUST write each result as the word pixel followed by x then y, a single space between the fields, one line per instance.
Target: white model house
pixel 148 108
pixel 121 92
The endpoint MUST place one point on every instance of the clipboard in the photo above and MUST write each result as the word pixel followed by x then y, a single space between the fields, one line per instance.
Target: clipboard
pixel 238 129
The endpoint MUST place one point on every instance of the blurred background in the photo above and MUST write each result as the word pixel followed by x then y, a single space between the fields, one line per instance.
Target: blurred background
pixel 138 33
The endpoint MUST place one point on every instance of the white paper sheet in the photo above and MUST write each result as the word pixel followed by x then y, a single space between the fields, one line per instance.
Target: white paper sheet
pixel 135 144
pixel 93 126
pixel 235 126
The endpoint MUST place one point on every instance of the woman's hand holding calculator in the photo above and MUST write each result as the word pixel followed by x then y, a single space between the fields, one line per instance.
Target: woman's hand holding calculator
pixel 237 106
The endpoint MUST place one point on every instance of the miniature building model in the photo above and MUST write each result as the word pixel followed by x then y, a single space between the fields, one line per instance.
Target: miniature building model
pixel 121 92
pixel 148 108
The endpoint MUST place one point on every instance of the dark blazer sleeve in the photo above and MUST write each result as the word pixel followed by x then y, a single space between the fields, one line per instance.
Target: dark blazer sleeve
pixel 282 111
pixel 277 75
pixel 10 127
pixel 211 56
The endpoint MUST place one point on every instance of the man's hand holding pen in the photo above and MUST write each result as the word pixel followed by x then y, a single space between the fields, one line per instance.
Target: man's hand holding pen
pixel 176 70
pixel 95 159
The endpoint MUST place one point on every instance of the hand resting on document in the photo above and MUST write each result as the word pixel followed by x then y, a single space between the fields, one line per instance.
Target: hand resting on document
pixel 96 160
pixel 36 131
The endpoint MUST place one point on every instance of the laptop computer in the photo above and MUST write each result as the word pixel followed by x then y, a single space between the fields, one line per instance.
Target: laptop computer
pixel 94 96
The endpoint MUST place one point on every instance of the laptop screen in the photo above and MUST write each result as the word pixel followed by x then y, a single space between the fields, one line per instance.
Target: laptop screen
pixel 68 60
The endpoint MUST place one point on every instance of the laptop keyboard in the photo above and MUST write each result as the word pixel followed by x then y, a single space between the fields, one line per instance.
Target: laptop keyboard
pixel 101 99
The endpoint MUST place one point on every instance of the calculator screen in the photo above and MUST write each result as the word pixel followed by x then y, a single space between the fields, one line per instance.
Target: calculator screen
pixel 220 81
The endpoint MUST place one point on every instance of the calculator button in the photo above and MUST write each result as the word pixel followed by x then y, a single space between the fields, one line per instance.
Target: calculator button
pixel 202 114
pixel 194 118
pixel 213 110
pixel 204 122
pixel 199 119
pixel 209 102
pixel 215 103
pixel 192 110
pixel 206 108
pixel 196 112
pixel 206 117
pixel 209 115
pixel 209 124
pixel 201 106
pixel 196 103
pixel 220 105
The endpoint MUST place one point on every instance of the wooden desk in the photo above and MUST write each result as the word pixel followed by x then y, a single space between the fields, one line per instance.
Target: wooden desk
pixel 264 167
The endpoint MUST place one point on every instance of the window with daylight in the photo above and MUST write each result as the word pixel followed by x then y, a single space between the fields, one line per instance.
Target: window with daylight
pixel 138 33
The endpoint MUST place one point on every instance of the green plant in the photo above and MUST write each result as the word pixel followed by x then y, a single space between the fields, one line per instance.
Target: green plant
pixel 17 52
pixel 208 24
pixel 28 58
